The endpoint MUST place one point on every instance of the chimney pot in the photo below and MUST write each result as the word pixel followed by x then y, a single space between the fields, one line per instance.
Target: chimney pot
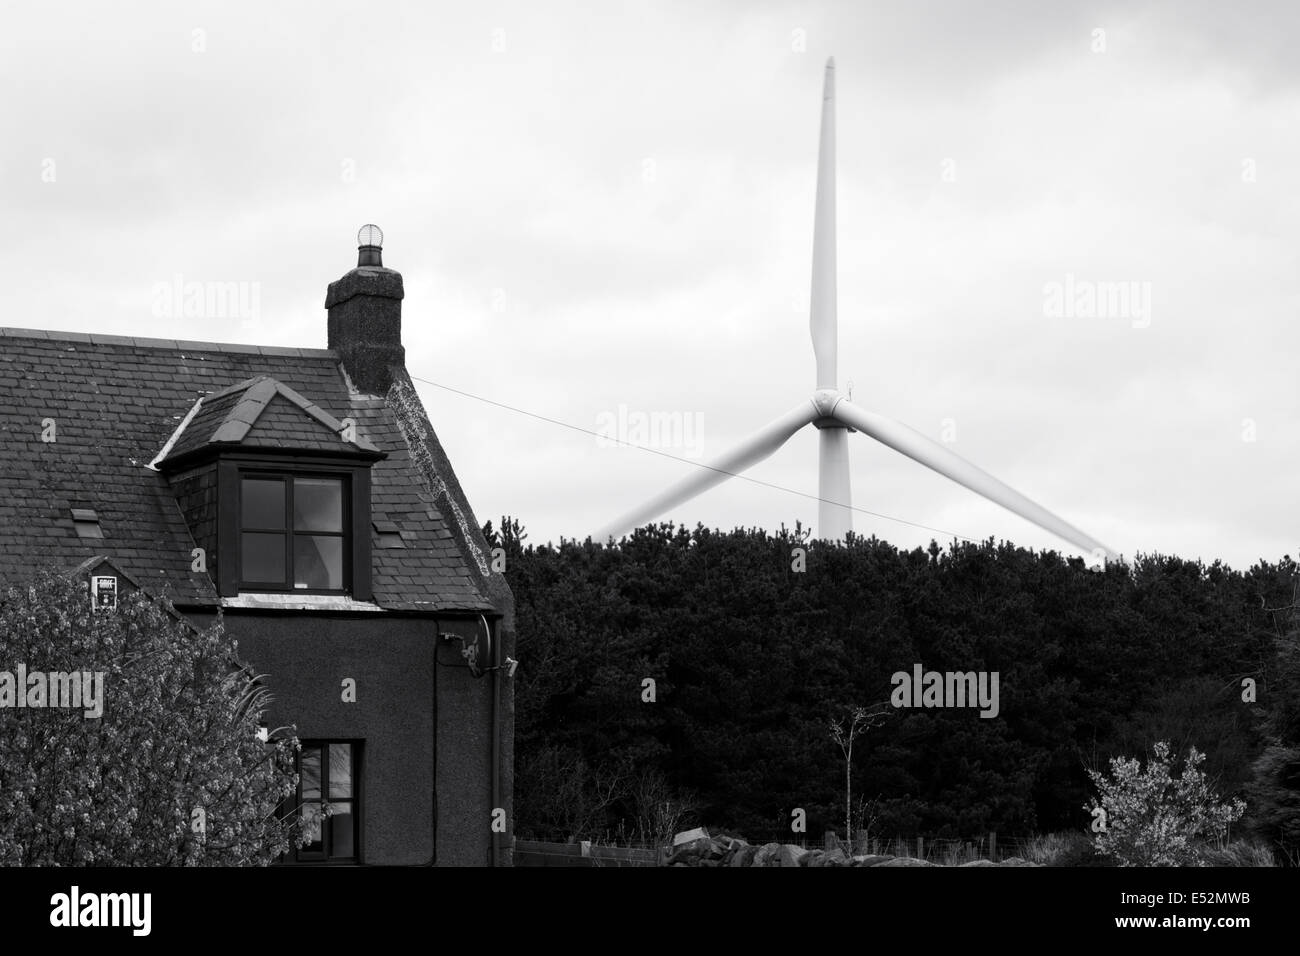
pixel 370 245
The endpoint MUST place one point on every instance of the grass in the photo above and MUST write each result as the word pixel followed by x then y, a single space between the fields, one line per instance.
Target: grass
pixel 1241 853
pixel 1072 848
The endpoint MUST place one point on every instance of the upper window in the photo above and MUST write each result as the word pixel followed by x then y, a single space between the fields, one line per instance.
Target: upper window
pixel 294 532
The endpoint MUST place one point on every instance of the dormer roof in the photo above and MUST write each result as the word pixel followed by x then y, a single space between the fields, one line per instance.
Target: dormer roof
pixel 262 412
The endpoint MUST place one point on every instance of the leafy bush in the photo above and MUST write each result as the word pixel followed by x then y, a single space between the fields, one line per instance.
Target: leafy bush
pixel 1155 819
pixel 172 773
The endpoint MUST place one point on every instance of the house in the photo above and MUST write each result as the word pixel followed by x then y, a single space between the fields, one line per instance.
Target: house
pixel 303 494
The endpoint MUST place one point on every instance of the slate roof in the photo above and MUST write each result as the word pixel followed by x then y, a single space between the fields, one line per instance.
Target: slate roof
pixel 260 411
pixel 115 402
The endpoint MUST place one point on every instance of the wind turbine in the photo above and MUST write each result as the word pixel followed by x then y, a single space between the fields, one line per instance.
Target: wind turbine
pixel 835 416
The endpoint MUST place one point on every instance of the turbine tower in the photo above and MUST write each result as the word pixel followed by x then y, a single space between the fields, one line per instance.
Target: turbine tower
pixel 835 416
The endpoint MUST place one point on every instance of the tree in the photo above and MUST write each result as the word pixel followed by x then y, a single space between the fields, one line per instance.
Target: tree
pixel 171 771
pixel 843 732
pixel 1275 790
pixel 1154 819
pixel 660 810
pixel 563 798
pixel 750 653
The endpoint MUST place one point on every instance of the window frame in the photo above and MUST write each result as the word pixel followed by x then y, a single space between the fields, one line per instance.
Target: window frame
pixel 232 469
pixel 299 856
pixel 290 533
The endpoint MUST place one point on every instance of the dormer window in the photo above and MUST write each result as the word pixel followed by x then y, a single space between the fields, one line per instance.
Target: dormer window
pixel 276 491
pixel 294 533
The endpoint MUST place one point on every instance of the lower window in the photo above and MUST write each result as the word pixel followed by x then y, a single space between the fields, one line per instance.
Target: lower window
pixel 328 801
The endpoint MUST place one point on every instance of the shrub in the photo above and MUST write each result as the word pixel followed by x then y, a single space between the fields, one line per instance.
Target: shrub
pixel 171 772
pixel 1155 819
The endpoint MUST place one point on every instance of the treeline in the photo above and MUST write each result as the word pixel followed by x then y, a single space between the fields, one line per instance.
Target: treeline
pixel 754 641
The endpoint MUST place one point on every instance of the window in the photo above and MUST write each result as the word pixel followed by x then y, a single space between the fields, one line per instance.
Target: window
pixel 299 525
pixel 86 523
pixel 292 532
pixel 328 801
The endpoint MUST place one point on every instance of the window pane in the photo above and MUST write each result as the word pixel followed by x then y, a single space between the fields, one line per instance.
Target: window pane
pixel 262 503
pixel 342 826
pixel 311 826
pixel 309 773
pixel 263 557
pixel 340 770
pixel 317 562
pixel 317 504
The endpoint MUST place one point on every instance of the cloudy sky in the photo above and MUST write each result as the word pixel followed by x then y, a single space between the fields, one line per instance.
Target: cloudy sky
pixel 604 211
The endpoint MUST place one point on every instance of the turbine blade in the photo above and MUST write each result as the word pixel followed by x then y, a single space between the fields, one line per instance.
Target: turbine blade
pixel 822 320
pixel 748 453
pixel 938 458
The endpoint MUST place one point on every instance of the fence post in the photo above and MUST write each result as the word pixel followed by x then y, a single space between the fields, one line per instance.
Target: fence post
pixel 920 848
pixel 993 846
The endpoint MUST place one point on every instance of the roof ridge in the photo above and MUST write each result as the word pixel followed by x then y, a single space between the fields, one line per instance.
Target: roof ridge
pixel 98 338
pixel 232 389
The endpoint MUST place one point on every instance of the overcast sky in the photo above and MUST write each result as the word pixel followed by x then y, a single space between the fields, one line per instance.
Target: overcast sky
pixel 598 205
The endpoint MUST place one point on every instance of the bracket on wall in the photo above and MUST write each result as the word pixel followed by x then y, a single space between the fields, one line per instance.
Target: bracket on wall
pixel 477 648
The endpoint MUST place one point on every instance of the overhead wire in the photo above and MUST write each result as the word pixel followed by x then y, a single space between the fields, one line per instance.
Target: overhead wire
pixel 686 461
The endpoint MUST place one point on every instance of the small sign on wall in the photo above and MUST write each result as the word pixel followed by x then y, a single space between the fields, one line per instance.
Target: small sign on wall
pixel 103 592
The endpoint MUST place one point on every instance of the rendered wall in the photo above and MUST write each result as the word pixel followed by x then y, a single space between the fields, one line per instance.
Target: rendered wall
pixel 306 658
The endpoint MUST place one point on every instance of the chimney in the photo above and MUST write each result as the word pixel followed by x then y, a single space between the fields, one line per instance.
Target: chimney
pixel 365 317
